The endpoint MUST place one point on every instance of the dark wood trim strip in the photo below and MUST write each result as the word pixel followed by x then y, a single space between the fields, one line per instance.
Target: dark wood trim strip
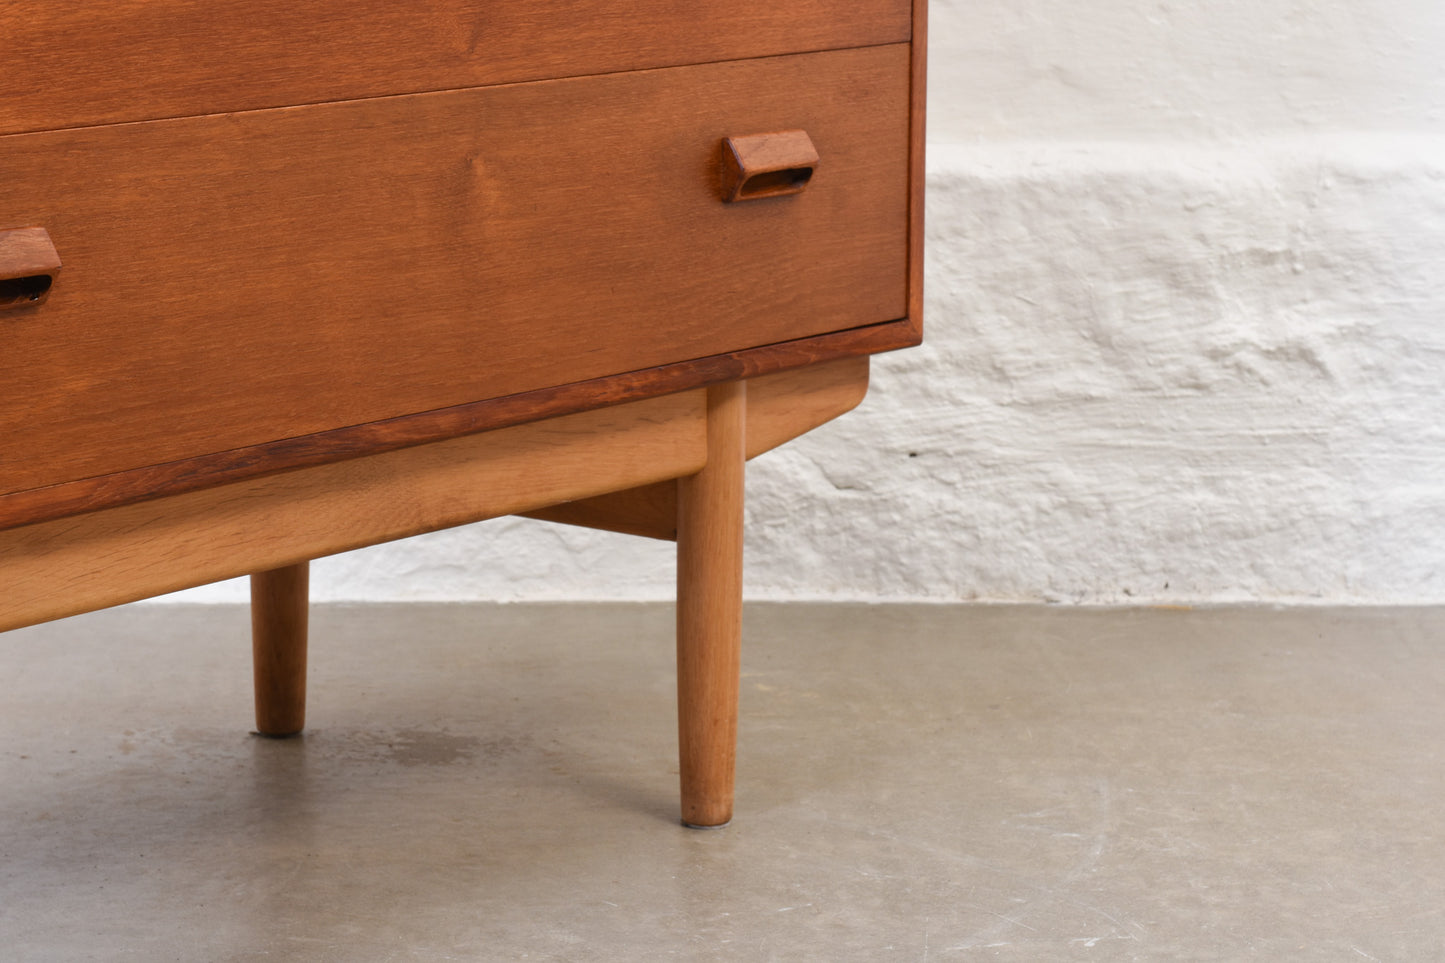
pixel 917 168
pixel 207 471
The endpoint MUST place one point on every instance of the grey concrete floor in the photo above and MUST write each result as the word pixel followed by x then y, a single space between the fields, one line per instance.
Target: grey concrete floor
pixel 915 783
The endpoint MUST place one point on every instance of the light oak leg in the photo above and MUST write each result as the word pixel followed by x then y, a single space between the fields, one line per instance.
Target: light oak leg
pixel 709 612
pixel 278 646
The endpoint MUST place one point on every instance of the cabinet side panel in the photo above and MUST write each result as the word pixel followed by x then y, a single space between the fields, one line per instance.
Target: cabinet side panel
pixel 917 166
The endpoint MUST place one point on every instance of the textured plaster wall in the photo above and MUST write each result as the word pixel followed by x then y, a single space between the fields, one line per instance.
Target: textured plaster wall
pixel 1186 335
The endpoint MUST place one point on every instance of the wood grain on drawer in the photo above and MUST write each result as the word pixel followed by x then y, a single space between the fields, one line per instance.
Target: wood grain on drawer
pixel 238 279
pixel 84 62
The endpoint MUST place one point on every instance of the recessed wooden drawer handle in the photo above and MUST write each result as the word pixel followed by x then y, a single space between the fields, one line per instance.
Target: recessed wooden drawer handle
pixel 28 265
pixel 767 165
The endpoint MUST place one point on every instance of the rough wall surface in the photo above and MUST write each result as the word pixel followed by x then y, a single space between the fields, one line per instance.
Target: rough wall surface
pixel 1186 336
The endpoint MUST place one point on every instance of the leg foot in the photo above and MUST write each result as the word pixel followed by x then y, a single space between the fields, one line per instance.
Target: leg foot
pixel 709 612
pixel 278 646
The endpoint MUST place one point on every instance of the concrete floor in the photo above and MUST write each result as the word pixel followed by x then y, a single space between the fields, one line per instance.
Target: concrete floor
pixel 915 783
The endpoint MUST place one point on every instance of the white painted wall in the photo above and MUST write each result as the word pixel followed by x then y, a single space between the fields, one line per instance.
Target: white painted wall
pixel 1186 335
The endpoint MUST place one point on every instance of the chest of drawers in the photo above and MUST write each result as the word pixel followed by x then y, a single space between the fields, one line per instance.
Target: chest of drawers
pixel 279 280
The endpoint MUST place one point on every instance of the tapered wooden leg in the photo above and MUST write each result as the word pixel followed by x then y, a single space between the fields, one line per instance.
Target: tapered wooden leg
pixel 278 646
pixel 709 612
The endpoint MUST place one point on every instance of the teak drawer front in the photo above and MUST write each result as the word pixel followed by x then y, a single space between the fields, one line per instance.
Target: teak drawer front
pixel 237 279
pixel 84 62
